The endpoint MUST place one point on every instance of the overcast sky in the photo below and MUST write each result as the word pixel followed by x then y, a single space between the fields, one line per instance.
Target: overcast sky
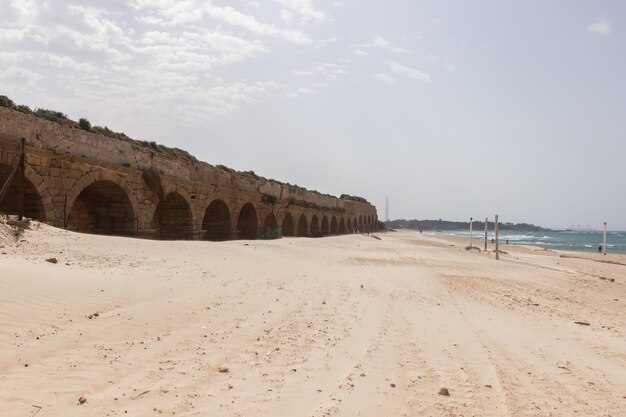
pixel 451 108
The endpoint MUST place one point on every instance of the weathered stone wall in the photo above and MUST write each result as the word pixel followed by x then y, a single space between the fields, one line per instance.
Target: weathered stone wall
pixel 98 184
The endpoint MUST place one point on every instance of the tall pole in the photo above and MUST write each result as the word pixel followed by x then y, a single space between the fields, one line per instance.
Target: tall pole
pixel 486 225
pixel 497 241
pixel 386 209
pixel 20 206
pixel 604 246
pixel 471 225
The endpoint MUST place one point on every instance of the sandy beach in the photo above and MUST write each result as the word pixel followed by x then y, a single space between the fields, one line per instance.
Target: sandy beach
pixel 339 326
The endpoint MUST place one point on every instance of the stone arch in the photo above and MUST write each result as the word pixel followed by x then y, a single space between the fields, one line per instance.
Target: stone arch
pixel 325 229
pixel 102 207
pixel 247 222
pixel 270 229
pixel 315 226
pixel 360 222
pixel 303 226
pixel 217 222
pixel 289 227
pixel 349 225
pixel 173 218
pixel 94 176
pixel 37 201
pixel 342 225
pixel 334 226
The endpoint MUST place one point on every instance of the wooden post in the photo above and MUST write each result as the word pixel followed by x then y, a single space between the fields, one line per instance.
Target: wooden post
pixel 497 241
pixel 7 184
pixel 471 225
pixel 486 225
pixel 20 203
pixel 604 246
pixel 65 219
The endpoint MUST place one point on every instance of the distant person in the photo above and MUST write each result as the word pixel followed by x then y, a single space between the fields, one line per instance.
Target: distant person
pixel 493 240
pixel 600 249
pixel 420 230
pixel 507 241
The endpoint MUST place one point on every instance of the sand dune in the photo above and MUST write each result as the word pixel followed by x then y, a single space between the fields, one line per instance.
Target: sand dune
pixel 340 326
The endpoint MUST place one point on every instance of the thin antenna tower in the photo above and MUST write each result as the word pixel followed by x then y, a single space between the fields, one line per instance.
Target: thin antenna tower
pixel 386 209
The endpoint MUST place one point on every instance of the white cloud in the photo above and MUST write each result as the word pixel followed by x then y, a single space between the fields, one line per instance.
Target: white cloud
pixel 408 71
pixel 300 12
pixel 600 26
pixel 100 52
pixel 384 78
pixel 175 13
pixel 21 74
pixel 360 52
pixel 323 70
pixel 382 43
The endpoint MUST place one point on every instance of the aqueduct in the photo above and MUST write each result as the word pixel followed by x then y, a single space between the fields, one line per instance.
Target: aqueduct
pixel 97 184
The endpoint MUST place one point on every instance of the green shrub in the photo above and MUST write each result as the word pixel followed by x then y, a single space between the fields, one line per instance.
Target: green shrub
pixel 6 102
pixel 51 115
pixel 84 124
pixel 268 199
pixel 23 108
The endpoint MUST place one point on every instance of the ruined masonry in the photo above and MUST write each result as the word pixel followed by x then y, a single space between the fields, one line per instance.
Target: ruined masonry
pixel 96 184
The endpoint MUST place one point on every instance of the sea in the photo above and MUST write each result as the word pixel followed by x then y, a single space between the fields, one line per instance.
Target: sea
pixel 566 240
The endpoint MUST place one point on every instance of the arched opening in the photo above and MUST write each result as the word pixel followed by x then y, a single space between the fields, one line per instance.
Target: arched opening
pixel 33 205
pixel 270 228
pixel 325 228
pixel 333 226
pixel 303 226
pixel 349 226
pixel 217 223
pixel 102 207
pixel 172 218
pixel 315 226
pixel 289 228
pixel 355 225
pixel 342 226
pixel 247 223
pixel 360 223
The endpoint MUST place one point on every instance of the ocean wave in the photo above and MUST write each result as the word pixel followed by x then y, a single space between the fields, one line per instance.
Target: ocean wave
pixel 517 237
pixel 579 241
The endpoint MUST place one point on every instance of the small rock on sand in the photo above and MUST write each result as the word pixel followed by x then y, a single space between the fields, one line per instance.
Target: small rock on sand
pixel 52 260
pixel 222 369
pixel 82 400
pixel 443 391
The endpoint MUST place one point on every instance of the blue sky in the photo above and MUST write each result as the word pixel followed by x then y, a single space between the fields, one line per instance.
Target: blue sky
pixel 452 108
